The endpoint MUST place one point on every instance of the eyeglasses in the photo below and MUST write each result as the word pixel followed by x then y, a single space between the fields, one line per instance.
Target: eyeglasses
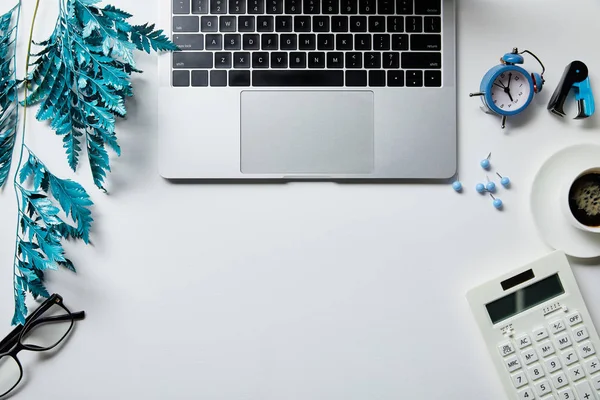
pixel 44 329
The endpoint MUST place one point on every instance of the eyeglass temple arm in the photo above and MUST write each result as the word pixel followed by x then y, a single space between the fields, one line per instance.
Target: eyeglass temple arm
pixel 13 337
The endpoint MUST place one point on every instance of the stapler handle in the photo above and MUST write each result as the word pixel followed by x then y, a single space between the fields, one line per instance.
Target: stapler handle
pixel 585 99
pixel 575 72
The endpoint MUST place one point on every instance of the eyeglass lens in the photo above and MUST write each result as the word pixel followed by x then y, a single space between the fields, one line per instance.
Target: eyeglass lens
pixel 44 332
pixel 10 374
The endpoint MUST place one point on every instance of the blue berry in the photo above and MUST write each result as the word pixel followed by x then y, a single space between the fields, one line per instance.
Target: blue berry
pixel 457 186
pixel 491 187
pixel 505 181
pixel 480 188
pixel 485 163
pixel 498 203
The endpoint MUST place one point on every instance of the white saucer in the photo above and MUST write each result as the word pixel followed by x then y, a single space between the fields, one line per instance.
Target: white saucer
pixel 548 185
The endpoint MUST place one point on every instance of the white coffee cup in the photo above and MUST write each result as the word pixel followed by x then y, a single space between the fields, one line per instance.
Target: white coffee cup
pixel 565 200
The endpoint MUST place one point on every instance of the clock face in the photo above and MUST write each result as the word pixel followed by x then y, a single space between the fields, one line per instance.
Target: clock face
pixel 510 91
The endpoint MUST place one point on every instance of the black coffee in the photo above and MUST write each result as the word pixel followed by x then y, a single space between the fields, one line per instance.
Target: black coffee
pixel 584 199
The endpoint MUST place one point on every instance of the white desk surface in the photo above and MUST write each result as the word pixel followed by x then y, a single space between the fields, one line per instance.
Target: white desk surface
pixel 306 291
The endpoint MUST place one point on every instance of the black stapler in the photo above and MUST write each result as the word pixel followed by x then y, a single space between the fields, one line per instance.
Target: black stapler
pixel 575 77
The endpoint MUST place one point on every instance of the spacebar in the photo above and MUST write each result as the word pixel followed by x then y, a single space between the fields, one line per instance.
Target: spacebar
pixel 297 78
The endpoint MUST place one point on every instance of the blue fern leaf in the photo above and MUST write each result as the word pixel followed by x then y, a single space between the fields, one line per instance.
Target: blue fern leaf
pixel 75 202
pixel 8 90
pixel 20 306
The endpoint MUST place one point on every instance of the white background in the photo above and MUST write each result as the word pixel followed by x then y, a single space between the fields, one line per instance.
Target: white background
pixel 305 291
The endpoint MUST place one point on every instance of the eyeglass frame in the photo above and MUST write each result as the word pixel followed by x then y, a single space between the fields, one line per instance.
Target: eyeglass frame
pixel 11 345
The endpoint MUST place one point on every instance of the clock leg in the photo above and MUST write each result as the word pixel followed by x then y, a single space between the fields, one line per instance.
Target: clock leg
pixel 476 94
pixel 503 121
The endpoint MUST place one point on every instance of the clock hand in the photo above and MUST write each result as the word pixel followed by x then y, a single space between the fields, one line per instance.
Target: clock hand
pixel 511 99
pixel 509 79
pixel 502 87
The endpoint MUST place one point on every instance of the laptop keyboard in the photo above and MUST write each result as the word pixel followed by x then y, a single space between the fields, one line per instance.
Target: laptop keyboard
pixel 302 43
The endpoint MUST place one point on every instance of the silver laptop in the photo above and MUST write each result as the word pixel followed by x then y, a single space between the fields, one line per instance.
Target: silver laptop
pixel 308 89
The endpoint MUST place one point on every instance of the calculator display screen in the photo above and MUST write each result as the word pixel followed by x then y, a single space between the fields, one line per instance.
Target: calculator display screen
pixel 525 298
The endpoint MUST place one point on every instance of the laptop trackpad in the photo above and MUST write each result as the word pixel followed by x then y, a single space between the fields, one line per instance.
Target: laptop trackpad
pixel 307 132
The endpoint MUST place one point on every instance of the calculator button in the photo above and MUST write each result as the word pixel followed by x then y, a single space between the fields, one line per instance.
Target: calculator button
pixel 566 394
pixel 529 356
pixel 552 364
pixel 559 380
pixel 546 349
pixel 535 372
pixel 573 319
pixel 523 341
pixel 580 334
pixel 592 366
pixel 549 397
pixel 512 363
pixel 563 341
pixel 557 326
pixel 586 349
pixel 506 348
pixel 596 382
pixel 585 391
pixel 576 373
pixel 519 379
pixel 569 357
pixel 526 394
pixel 543 387
pixel 540 334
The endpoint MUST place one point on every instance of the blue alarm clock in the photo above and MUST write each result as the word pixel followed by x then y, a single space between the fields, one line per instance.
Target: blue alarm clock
pixel 507 89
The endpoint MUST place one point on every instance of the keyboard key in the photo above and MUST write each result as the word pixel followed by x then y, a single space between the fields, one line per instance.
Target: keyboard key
pixel 586 349
pixel 344 42
pixel 404 7
pixel 274 6
pixel 312 6
pixel 428 7
pixel 540 334
pixel 354 60
pixel 292 78
pixel 376 78
pixel 396 78
pixel 522 340
pixel 289 42
pixel 543 387
pixel 260 60
pixel 209 24
pixel 233 42
pixel 391 60
pixel 373 60
pixel 536 371
pixel 321 24
pixel 362 42
pixel 432 24
pixel 433 78
pixel 584 391
pixel 241 60
pixel 181 78
pixel 199 78
pixel 580 334
pixel 596 382
pixel 218 78
pixel 237 6
pixel 381 42
pixel 256 6
pixel 246 24
pixel 227 24
pixel 421 60
pixel 546 349
pixel 358 24
pixel 552 364
pixel 223 60
pixel 367 7
pixel 529 356
pixel 214 41
pixel 302 24
pixel 189 42
pixel 250 42
pixel 307 42
pixel 297 60
pixel 191 60
pixel 425 42
pixel 283 24
pixel 399 42
pixel 325 41
pixel 563 341
pixel 331 6
pixel 395 24
pixel 376 24
pixel 270 42
pixel 592 366
pixel 279 60
pixel 293 6
pixel 335 60
pixel 414 78
pixel 512 363
pixel 185 24
pixel 339 24
pixel 349 7
pixel 316 60
pixel 356 78
pixel 519 379
pixel 414 24
pixel 265 24
pixel 181 7
pixel 218 6
pixel 239 78
pixel 566 394
pixel 526 394
pixel 559 380
pixel 574 318
pixel 557 326
pixel 576 372
pixel 386 6
pixel 199 6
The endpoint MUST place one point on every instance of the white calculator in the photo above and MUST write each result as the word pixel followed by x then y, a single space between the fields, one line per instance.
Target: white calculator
pixel 539 332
